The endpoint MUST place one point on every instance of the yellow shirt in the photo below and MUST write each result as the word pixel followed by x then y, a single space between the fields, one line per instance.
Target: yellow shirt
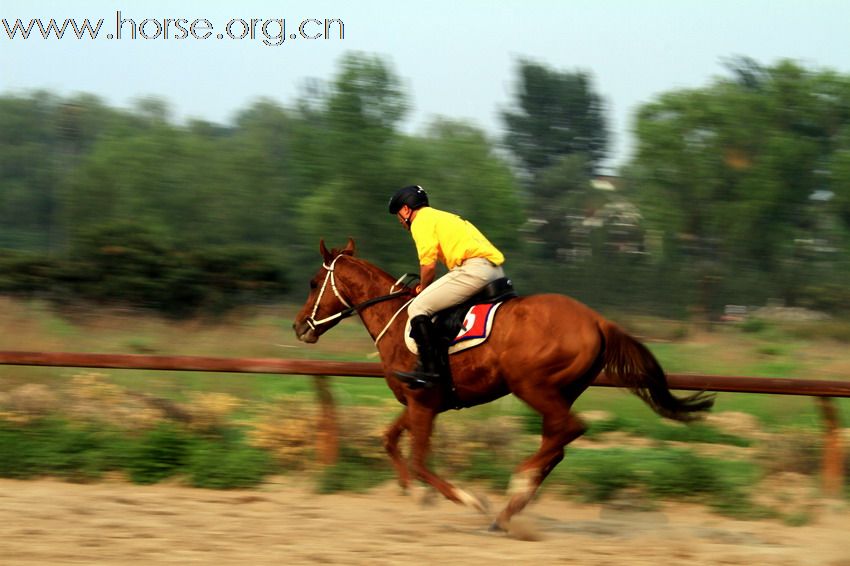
pixel 449 238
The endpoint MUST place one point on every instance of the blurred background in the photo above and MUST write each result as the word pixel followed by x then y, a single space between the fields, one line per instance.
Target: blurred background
pixel 682 167
pixel 126 177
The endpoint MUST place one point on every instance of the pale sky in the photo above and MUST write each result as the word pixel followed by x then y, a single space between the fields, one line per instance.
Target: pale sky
pixel 456 58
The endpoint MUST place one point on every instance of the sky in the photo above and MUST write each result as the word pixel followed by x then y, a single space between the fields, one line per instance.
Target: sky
pixel 456 59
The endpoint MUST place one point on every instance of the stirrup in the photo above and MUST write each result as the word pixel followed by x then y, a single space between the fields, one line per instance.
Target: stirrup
pixel 418 379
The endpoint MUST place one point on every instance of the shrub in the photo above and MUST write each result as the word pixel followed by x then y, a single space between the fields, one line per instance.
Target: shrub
pixel 598 475
pixel 56 448
pixel 129 264
pixel 159 454
pixel 681 473
pixel 488 467
pixel 52 447
pixel 27 274
pixel 353 472
pixel 829 297
pixel 226 464
pixel 660 430
pixel 754 325
pixel 693 432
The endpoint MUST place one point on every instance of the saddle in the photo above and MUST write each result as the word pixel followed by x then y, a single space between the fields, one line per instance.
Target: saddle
pixel 449 322
pixel 448 330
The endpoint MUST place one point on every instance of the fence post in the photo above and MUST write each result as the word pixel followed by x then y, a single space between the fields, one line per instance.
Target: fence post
pixel 833 452
pixel 327 435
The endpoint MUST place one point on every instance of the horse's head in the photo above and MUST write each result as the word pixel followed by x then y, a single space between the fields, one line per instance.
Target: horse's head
pixel 325 301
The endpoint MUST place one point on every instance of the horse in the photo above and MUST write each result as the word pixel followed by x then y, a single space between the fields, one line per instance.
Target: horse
pixel 545 349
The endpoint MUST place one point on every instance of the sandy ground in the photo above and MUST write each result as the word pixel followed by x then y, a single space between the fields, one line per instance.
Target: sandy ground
pixel 49 522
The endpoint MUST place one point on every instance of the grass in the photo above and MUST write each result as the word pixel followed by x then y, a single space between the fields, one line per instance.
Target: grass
pixel 598 474
pixel 758 348
pixel 660 430
pixel 669 473
pixel 354 471
pixel 770 351
pixel 474 448
pixel 54 447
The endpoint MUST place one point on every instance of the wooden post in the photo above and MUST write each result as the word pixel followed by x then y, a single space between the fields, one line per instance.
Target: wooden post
pixel 833 451
pixel 327 435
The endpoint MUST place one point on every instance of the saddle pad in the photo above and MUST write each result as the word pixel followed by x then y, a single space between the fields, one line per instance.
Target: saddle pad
pixel 476 328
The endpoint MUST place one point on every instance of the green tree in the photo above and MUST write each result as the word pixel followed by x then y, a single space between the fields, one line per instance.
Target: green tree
pixel 556 114
pixel 561 198
pixel 201 185
pixel 728 171
pixel 360 112
pixel 29 172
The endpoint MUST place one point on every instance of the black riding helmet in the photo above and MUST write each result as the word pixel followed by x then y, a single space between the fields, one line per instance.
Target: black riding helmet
pixel 413 196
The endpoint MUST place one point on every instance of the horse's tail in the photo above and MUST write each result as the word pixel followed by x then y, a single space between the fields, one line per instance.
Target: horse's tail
pixel 630 364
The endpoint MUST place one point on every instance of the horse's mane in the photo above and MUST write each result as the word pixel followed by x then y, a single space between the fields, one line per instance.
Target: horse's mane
pixel 374 270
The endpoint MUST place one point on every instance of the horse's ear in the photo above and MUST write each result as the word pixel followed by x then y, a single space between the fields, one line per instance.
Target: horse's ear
pixel 326 255
pixel 349 247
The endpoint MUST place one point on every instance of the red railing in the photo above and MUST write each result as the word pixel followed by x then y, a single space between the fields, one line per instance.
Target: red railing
pixel 824 390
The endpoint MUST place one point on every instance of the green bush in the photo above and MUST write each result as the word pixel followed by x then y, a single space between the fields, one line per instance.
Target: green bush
pixel 488 467
pixel 610 425
pixel 831 297
pixel 598 475
pixel 226 464
pixel 681 473
pixel 52 447
pixel 354 471
pixel 754 325
pixel 693 432
pixel 84 454
pixel 23 454
pixel 128 264
pixel 26 274
pixel 659 430
pixel 159 454
pixel 834 329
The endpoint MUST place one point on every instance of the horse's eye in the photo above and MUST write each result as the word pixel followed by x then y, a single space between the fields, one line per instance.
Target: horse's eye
pixel 313 284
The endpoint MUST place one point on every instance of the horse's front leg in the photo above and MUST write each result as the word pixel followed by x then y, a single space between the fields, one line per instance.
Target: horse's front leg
pixel 421 425
pixel 391 438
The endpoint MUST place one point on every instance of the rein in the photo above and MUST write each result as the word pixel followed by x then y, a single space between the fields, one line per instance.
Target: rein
pixel 349 310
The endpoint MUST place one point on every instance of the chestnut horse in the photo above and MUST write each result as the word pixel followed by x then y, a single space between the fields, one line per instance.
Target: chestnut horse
pixel 545 349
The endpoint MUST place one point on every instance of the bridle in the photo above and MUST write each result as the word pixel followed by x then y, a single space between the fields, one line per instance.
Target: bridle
pixel 349 310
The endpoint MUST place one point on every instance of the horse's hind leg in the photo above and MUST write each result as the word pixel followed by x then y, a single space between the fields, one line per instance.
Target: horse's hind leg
pixel 391 438
pixel 560 427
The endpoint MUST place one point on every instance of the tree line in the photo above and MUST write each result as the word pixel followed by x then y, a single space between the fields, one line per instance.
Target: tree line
pixel 738 192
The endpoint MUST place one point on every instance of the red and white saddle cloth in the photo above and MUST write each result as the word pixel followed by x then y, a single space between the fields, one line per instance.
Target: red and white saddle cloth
pixel 476 328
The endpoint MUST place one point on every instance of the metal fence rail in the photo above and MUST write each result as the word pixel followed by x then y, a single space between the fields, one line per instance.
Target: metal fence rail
pixel 824 390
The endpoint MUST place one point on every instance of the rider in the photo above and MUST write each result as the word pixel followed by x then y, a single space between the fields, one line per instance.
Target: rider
pixel 472 260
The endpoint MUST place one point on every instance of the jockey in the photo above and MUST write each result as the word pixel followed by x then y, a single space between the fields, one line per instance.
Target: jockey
pixel 472 260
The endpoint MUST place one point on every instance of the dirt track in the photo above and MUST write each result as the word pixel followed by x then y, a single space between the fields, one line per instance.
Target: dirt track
pixel 48 522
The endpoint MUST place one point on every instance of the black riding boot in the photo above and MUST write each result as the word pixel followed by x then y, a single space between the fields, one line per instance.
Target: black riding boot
pixel 430 369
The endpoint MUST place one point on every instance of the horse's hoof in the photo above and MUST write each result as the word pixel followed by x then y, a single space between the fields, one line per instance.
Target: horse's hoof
pixel 496 527
pixel 428 499
pixel 481 504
